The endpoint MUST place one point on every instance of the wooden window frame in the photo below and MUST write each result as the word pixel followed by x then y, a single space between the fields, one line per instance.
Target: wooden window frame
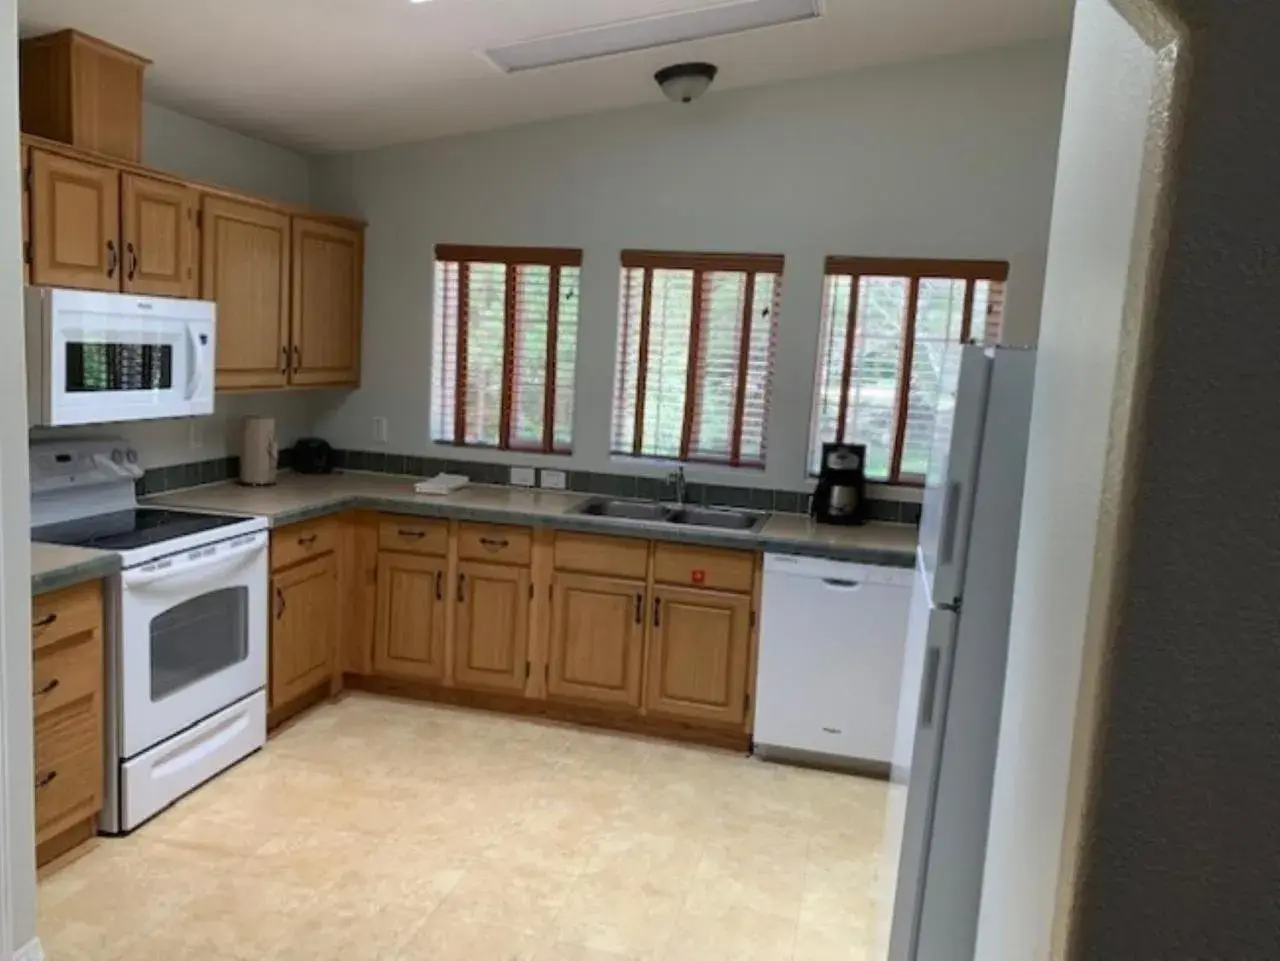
pixel 700 264
pixel 913 270
pixel 513 258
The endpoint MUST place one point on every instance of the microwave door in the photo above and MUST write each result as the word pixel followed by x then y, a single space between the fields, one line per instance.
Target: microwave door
pixel 102 372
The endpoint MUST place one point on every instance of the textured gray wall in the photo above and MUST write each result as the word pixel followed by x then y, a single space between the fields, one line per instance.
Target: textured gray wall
pixel 1182 837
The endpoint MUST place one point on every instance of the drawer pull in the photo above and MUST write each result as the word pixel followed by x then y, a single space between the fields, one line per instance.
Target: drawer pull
pixel 489 543
pixel 414 535
pixel 46 620
pixel 45 780
pixel 48 688
pixel 308 540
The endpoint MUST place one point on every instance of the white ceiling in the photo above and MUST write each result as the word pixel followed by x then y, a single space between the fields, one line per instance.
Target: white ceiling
pixel 324 75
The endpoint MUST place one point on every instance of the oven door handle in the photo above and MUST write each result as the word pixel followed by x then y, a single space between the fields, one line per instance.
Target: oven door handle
pixel 218 563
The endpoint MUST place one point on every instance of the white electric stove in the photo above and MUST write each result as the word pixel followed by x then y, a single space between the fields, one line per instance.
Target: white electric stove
pixel 186 625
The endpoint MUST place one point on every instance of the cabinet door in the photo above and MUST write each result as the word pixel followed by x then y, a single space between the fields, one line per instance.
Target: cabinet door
pixel 245 268
pixel 328 263
pixel 158 227
pixel 492 628
pixel 411 603
pixel 305 619
pixel 75 223
pixel 698 648
pixel 597 639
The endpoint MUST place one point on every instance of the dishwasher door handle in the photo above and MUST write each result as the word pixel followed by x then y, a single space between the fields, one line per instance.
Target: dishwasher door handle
pixel 840 584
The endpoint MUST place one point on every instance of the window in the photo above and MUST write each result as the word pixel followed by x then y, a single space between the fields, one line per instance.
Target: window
pixel 696 335
pixel 886 325
pixel 506 340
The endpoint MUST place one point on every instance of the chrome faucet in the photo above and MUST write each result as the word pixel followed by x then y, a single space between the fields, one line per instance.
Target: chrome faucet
pixel 677 478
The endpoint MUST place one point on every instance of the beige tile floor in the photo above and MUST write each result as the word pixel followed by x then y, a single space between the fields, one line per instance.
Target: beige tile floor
pixel 389 830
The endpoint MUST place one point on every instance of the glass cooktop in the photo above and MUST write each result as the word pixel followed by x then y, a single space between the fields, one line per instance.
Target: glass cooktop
pixel 127 530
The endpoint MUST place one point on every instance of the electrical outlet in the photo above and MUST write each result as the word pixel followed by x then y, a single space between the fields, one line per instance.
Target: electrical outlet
pixel 555 480
pixel 523 476
pixel 380 430
pixel 197 434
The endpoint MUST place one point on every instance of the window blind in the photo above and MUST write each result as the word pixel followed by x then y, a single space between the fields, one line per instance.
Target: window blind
pixel 885 356
pixel 696 338
pixel 505 347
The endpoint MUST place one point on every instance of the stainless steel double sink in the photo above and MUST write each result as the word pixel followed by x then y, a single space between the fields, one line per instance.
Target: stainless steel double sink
pixel 718 518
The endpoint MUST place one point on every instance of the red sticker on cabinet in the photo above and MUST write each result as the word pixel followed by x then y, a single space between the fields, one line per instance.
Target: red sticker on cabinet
pixel 699 576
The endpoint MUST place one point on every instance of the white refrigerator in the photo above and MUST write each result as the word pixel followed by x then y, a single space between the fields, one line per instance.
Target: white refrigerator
pixel 953 677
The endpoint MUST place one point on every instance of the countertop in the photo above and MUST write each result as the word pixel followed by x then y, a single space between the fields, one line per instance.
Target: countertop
pixel 54 566
pixel 298 497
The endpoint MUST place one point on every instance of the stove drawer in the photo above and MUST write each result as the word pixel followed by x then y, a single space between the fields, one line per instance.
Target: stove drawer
pixel 67 674
pixel 68 768
pixel 64 614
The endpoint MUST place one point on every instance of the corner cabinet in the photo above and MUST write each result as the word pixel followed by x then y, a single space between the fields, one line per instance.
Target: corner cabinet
pixel 327 293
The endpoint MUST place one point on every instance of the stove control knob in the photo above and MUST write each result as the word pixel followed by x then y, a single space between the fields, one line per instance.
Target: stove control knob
pixel 131 456
pixel 117 456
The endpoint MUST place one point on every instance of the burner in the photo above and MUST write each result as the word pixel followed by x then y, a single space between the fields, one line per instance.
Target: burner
pixel 127 530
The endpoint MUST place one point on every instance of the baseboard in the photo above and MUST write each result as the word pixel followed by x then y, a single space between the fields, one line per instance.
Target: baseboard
pixel 31 951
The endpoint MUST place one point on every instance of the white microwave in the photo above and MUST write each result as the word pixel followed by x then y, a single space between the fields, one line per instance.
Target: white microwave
pixel 95 358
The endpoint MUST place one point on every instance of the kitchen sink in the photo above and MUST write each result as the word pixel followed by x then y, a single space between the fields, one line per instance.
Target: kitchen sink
pixel 725 520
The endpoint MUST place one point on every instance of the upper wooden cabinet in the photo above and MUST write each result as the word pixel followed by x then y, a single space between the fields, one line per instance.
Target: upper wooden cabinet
pixel 158 227
pixel 597 639
pixel 245 269
pixel 492 628
pixel 75 223
pixel 699 647
pixel 82 91
pixel 327 271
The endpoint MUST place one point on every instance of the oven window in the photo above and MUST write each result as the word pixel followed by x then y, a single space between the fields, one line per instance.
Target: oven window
pixel 103 367
pixel 197 639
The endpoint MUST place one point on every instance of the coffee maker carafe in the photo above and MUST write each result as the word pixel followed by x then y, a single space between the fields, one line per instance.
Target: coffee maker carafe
pixel 841 494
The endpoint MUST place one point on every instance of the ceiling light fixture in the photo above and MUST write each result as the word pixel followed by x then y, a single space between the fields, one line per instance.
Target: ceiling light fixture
pixel 686 82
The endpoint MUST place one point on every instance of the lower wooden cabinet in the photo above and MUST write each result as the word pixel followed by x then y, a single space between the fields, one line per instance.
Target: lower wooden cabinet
pixel 597 639
pixel 699 647
pixel 409 640
pixel 491 631
pixel 305 615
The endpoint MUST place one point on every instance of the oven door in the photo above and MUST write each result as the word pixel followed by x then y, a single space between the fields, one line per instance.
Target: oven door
pixel 108 365
pixel 193 638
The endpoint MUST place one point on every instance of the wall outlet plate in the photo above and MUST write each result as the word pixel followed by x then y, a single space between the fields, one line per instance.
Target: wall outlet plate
pixel 523 476
pixel 197 434
pixel 554 480
pixel 380 429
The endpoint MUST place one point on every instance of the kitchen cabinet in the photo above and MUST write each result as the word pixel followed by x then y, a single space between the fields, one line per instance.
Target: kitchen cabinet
pixel 699 647
pixel 326 303
pixel 492 626
pixel 597 639
pixel 158 230
pixel 75 223
pixel 305 614
pixel 410 633
pixel 244 267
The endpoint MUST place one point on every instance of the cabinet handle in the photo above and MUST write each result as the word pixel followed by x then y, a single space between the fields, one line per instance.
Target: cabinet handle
pixel 657 612
pixel 46 620
pixel 462 588
pixel 48 688
pixel 308 540
pixel 133 259
pixel 494 545
pixel 639 608
pixel 45 780
pixel 413 535
pixel 284 361
pixel 439 585
pixel 113 259
pixel 279 603
pixel 297 358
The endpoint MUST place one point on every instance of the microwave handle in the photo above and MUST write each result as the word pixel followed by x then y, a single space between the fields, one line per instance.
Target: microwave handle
pixel 195 366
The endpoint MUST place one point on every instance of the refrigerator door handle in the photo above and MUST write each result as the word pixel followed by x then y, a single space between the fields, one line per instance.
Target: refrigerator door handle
pixel 950 518
pixel 929 689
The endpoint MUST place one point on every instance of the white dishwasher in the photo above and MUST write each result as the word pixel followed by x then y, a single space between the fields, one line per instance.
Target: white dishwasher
pixel 832 638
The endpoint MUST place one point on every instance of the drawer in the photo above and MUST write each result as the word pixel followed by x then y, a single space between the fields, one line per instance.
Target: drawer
pixel 65 674
pixel 297 542
pixel 413 535
pixel 498 545
pixel 68 769
pixel 708 567
pixel 593 554
pixel 64 614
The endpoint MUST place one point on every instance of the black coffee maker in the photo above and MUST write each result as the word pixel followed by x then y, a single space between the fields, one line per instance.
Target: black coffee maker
pixel 841 495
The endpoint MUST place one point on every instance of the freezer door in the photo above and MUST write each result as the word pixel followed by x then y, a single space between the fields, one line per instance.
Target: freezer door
pixel 910 817
pixel 953 468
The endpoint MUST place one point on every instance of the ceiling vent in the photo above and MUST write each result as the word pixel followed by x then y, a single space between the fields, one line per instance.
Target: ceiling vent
pixel 630 35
